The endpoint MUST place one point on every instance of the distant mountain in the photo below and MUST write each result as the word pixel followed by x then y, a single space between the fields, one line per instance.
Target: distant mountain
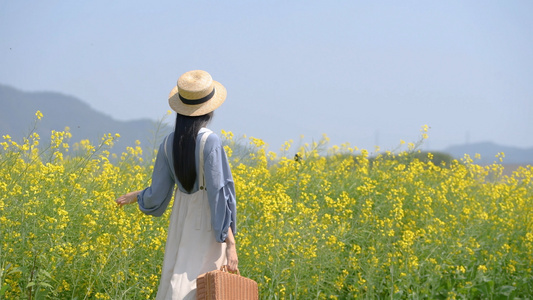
pixel 17 115
pixel 488 152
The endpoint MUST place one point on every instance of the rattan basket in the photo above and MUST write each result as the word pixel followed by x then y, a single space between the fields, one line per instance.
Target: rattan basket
pixel 222 285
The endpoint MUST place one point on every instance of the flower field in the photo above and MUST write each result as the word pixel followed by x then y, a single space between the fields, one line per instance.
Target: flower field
pixel 329 223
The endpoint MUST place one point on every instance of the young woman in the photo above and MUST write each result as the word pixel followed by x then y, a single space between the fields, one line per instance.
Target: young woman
pixel 203 219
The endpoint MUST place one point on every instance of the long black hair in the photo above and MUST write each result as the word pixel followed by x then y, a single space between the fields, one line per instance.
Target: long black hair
pixel 184 147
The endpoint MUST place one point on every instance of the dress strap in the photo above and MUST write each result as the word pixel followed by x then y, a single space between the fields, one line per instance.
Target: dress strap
pixel 165 145
pixel 201 155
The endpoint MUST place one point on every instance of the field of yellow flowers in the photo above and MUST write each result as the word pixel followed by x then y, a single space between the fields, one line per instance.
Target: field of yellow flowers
pixel 329 223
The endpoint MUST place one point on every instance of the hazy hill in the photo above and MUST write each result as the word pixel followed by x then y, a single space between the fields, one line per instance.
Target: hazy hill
pixel 488 152
pixel 17 115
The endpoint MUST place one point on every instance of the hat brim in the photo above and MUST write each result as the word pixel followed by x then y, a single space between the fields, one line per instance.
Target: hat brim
pixel 197 109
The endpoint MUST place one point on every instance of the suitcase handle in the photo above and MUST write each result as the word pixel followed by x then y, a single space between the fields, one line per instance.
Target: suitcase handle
pixel 224 268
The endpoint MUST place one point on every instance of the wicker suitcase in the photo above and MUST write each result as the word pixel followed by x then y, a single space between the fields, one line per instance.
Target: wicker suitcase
pixel 222 285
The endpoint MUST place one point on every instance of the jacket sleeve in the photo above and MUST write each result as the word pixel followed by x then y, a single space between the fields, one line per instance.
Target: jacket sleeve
pixel 154 199
pixel 220 192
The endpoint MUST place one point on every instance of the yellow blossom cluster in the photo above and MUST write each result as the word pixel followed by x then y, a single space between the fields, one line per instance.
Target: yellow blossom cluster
pixel 339 223
pixel 61 234
pixel 320 223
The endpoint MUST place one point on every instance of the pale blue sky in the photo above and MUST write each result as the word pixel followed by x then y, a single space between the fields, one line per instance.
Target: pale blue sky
pixel 360 72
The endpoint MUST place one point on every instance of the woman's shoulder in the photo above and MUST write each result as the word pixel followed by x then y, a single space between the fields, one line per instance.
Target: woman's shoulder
pixel 213 141
pixel 170 136
pixel 213 137
pixel 168 140
pixel 166 145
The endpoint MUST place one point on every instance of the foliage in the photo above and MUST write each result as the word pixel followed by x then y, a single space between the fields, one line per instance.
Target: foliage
pixel 314 226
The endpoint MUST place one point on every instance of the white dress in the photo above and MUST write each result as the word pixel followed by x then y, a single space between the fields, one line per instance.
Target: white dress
pixel 191 248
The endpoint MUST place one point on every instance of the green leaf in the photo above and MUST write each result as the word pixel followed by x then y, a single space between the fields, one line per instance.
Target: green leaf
pixel 506 290
pixel 3 290
pixel 46 285
pixel 15 270
pixel 45 273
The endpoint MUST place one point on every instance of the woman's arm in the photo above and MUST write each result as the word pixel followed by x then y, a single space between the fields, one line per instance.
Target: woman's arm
pixel 154 199
pixel 129 198
pixel 231 252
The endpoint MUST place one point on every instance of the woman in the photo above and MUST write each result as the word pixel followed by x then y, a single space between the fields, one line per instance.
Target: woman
pixel 203 219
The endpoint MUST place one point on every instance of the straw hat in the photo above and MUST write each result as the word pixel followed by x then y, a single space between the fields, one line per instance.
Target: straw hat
pixel 196 94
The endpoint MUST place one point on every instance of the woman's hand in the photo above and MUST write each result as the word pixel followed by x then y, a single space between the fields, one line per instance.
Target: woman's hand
pixel 233 261
pixel 231 252
pixel 129 198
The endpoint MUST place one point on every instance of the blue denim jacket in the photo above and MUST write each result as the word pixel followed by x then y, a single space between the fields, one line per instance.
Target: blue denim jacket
pixel 154 199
